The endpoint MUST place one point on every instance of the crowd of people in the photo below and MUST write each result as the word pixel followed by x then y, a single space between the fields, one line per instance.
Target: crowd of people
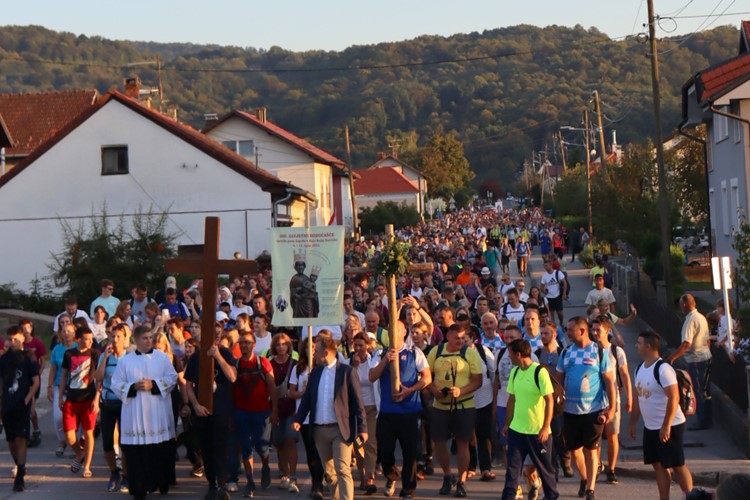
pixel 483 362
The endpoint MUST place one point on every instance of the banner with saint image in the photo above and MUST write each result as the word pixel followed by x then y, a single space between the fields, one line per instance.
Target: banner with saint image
pixel 308 275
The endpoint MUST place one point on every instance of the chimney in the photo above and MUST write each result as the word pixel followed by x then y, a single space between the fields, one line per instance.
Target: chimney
pixel 209 119
pixel 133 87
pixel 381 155
pixel 260 114
pixel 395 153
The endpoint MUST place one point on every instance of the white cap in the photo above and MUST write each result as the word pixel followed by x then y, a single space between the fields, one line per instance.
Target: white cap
pixel 221 316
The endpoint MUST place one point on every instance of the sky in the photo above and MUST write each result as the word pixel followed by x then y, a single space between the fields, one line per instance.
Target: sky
pixel 301 25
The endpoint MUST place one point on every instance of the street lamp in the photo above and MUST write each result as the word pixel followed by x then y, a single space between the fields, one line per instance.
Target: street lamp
pixel 585 131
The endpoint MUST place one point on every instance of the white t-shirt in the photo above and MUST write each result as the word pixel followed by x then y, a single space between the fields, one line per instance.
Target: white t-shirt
pixel 79 314
pixel 238 310
pixel 262 344
pixel 515 314
pixel 368 388
pixel 614 364
pixel 504 366
pixel 595 296
pixel 483 395
pixel 651 397
pixel 552 282
pixel 301 382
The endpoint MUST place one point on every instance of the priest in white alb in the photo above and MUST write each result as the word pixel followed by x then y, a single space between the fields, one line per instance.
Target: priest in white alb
pixel 143 381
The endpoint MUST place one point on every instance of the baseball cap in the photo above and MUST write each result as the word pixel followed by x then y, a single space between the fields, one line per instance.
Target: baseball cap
pixel 221 316
pixel 170 282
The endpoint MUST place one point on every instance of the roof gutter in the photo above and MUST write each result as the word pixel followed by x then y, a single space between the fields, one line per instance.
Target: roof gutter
pixel 292 191
pixel 717 111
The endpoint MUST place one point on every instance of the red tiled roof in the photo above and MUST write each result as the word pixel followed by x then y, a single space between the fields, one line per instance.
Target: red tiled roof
pixel 399 161
pixel 31 119
pixel 714 81
pixel 262 178
pixel 383 180
pixel 286 136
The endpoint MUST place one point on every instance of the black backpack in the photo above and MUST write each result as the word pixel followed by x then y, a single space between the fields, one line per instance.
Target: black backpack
pixel 688 403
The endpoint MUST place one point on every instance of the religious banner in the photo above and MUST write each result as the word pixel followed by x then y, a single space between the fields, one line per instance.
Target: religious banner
pixel 308 275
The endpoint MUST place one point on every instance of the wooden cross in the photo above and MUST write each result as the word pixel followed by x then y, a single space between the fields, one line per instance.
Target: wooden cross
pixel 393 306
pixel 209 266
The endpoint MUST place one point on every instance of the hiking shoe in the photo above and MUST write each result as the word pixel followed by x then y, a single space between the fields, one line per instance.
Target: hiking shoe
pixel 519 493
pixel 114 481
pixel 590 495
pixel 445 489
pixel 460 490
pixel 232 487
pixel 567 470
pixel 284 483
pixel 124 486
pixel 293 487
pixel 611 478
pixel 390 487
pixel 265 477
pixel 370 489
pixel 249 490
pixel 534 489
pixel 36 438
pixel 19 484
pixel 428 468
pixel 582 488
pixel 197 471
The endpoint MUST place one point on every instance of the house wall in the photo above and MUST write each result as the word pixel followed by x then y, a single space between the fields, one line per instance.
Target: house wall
pixel 369 201
pixel 165 173
pixel 728 176
pixel 344 212
pixel 412 175
pixel 283 160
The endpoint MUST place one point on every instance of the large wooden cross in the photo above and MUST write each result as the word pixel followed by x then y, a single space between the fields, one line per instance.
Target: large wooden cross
pixel 393 306
pixel 209 266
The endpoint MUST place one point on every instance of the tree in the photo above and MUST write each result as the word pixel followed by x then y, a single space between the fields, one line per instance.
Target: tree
pixel 688 181
pixel 373 220
pixel 443 160
pixel 493 187
pixel 126 256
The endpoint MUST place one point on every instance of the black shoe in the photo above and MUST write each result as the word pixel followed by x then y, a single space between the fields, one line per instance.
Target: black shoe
pixel 370 489
pixel 265 477
pixel 223 494
pixel 590 495
pixel 582 489
pixel 567 470
pixel 460 490
pixel 445 489
pixel 611 478
pixel 318 495
pixel 428 468
pixel 212 494
pixel 19 484
pixel 36 439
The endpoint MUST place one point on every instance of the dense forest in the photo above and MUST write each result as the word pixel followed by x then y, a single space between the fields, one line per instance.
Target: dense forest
pixel 502 92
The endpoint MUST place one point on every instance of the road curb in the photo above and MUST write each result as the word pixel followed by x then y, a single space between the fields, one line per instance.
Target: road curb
pixel 705 479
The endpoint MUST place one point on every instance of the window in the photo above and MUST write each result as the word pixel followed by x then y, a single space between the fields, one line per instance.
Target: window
pixel 722 126
pixel 712 208
pixel 244 148
pixel 725 208
pixel 735 203
pixel 114 160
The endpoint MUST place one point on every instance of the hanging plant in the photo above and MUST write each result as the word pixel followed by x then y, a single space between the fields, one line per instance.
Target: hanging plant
pixel 393 259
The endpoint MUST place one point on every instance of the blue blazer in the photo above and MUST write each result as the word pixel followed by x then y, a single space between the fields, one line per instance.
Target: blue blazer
pixel 347 401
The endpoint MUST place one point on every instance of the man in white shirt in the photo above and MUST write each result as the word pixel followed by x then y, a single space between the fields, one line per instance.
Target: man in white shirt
pixel 663 421
pixel 71 308
pixel 600 292
pixel 554 286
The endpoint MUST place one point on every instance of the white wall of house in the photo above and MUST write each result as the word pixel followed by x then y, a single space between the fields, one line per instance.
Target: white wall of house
pixel 165 173
pixel 414 176
pixel 369 201
pixel 346 204
pixel 728 175
pixel 283 160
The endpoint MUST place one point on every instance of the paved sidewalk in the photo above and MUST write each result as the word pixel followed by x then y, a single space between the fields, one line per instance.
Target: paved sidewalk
pixel 710 454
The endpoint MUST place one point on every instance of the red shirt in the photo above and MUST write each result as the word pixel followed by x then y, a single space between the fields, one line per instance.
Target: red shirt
pixel 250 391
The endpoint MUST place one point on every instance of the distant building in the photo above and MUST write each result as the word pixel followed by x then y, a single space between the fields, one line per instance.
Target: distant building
pixel 28 120
pixel 412 174
pixel 719 98
pixel 385 184
pixel 292 159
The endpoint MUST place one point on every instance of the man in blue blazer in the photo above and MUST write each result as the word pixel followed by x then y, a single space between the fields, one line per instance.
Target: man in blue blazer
pixel 333 399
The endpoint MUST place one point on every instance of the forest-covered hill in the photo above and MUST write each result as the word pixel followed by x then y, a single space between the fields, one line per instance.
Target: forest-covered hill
pixel 504 92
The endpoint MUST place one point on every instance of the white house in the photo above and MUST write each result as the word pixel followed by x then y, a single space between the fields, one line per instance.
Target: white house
pixel 129 159
pixel 719 97
pixel 385 184
pixel 291 158
pixel 415 176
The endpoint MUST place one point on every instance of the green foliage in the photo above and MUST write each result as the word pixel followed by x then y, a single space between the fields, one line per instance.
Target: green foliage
pixel 741 243
pixel 393 259
pixel 40 299
pixel 127 256
pixel 501 107
pixel 597 248
pixel 444 162
pixel 373 220
pixel 686 163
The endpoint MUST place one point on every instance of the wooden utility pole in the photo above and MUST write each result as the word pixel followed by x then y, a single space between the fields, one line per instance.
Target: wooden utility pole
pixel 352 192
pixel 659 143
pixel 562 150
pixel 588 173
pixel 602 147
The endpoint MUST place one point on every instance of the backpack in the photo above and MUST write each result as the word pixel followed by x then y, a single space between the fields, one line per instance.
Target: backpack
pixel 462 353
pixel 505 308
pixel 562 287
pixel 618 377
pixel 688 404
pixel 558 391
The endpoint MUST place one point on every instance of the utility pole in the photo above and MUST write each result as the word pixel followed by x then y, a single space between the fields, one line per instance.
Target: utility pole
pixel 355 221
pixel 588 173
pixel 663 206
pixel 603 148
pixel 562 150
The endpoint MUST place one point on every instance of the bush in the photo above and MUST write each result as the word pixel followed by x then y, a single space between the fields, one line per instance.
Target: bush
pixel 41 299
pixel 373 220
pixel 126 256
pixel 599 248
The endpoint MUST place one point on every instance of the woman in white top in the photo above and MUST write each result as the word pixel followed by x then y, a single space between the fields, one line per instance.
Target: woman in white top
pixel 98 324
pixel 262 335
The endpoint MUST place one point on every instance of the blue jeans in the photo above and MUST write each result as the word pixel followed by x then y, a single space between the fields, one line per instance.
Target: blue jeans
pixel 700 388
pixel 519 447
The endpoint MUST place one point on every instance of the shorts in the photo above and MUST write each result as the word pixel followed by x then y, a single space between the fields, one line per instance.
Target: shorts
pixel 284 431
pixel 613 426
pixel 17 423
pixel 78 413
pixel 669 454
pixel 555 304
pixel 253 431
pixel 582 431
pixel 457 423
